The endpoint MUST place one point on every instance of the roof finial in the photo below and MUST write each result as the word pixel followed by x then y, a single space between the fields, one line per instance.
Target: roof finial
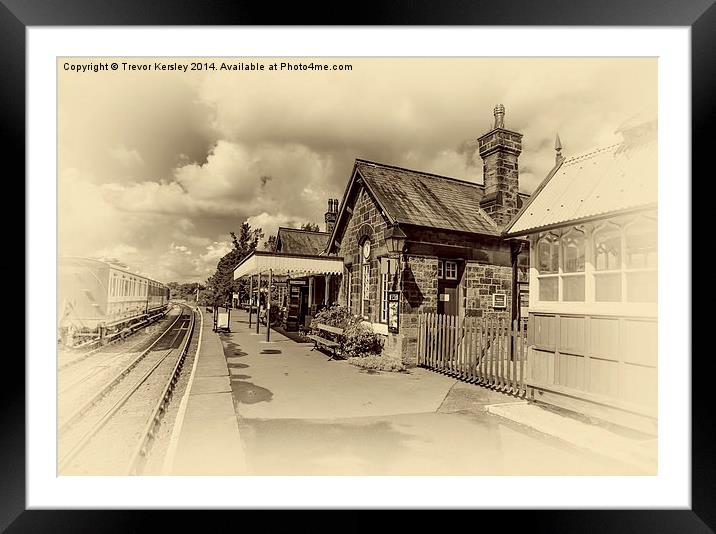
pixel 499 116
pixel 558 148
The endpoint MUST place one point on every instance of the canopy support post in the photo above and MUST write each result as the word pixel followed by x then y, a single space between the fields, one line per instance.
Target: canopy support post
pixel 268 306
pixel 251 296
pixel 258 300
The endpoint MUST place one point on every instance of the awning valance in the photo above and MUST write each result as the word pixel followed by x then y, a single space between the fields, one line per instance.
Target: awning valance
pixel 287 264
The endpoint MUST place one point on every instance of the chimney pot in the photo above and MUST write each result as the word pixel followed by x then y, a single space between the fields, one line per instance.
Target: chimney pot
pixel 499 116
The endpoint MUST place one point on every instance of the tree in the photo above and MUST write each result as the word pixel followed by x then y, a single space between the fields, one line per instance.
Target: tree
pixel 221 284
pixel 186 291
pixel 270 244
pixel 310 227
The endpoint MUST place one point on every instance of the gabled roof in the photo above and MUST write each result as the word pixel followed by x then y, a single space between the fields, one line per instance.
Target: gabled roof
pixel 607 181
pixel 424 199
pixel 295 241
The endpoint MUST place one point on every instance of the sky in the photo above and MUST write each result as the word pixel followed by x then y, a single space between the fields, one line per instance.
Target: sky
pixel 156 167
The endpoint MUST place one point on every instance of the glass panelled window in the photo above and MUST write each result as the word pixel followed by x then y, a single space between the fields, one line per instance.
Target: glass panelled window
pixel 573 254
pixel 384 288
pixel 640 261
pixel 349 288
pixel 450 270
pixel 548 267
pixel 608 264
pixel 441 270
pixel 365 287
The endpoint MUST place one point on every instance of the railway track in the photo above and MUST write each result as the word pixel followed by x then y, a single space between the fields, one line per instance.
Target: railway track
pixel 113 431
pixel 82 382
pixel 92 349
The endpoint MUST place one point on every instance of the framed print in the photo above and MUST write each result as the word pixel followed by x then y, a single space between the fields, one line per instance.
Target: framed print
pixel 180 161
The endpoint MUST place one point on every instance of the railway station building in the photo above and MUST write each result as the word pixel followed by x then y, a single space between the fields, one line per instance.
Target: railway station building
pixel 434 239
pixel 592 228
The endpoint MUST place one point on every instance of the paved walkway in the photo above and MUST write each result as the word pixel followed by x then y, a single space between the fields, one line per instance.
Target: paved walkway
pixel 301 414
pixel 286 379
pixel 208 437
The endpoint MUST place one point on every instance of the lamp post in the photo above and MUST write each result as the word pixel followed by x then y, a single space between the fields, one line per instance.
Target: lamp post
pixel 395 240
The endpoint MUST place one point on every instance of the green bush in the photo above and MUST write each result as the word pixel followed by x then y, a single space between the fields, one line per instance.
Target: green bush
pixel 376 362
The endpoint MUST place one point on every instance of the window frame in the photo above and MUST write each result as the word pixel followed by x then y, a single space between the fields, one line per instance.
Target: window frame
pixel 555 238
pixel 445 269
pixel 593 232
pixel 563 273
pixel 365 278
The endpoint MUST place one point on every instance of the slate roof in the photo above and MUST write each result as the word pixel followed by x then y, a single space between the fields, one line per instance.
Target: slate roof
pixel 606 181
pixel 424 199
pixel 295 241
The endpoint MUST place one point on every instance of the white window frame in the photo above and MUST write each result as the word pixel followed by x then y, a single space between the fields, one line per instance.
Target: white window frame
pixel 562 259
pixel 596 273
pixel 555 239
pixel 446 271
pixel 590 305
pixel 365 286
pixel 384 288
pixel 349 288
pixel 364 279
pixel 628 270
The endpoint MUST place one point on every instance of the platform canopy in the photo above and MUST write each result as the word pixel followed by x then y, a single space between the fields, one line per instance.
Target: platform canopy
pixel 294 265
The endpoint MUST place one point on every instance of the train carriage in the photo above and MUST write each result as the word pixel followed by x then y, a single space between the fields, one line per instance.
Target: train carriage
pixel 96 298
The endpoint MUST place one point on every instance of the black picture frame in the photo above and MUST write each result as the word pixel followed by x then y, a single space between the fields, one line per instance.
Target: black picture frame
pixel 699 15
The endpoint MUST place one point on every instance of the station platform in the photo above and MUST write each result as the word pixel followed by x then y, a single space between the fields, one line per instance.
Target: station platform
pixel 206 439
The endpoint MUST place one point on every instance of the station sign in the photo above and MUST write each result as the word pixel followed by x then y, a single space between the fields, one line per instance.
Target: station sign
pixel 393 311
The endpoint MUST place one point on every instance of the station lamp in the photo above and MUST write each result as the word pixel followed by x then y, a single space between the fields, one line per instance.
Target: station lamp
pixel 395 239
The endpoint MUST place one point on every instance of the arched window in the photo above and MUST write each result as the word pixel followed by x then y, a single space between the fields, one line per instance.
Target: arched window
pixel 365 255
pixel 548 267
pixel 608 263
pixel 573 266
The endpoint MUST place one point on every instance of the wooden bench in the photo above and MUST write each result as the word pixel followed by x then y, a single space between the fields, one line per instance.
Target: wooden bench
pixel 326 342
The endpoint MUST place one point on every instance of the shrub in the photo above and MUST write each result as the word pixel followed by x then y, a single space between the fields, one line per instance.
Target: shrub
pixel 335 315
pixel 360 341
pixel 376 362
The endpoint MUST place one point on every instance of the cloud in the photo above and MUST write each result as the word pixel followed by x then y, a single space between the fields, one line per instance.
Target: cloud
pixel 125 156
pixel 167 166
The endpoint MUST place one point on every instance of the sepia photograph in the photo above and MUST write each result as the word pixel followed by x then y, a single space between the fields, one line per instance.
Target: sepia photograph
pixel 357 266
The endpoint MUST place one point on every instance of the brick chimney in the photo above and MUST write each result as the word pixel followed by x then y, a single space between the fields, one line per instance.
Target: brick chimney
pixel 331 215
pixel 499 149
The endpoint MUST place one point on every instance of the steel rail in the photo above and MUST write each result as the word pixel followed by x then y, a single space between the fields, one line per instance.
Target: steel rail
pixel 104 390
pixel 95 370
pixel 116 338
pixel 148 434
pixel 107 415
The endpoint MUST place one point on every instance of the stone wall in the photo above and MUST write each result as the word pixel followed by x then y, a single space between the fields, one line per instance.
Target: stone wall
pixel 366 222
